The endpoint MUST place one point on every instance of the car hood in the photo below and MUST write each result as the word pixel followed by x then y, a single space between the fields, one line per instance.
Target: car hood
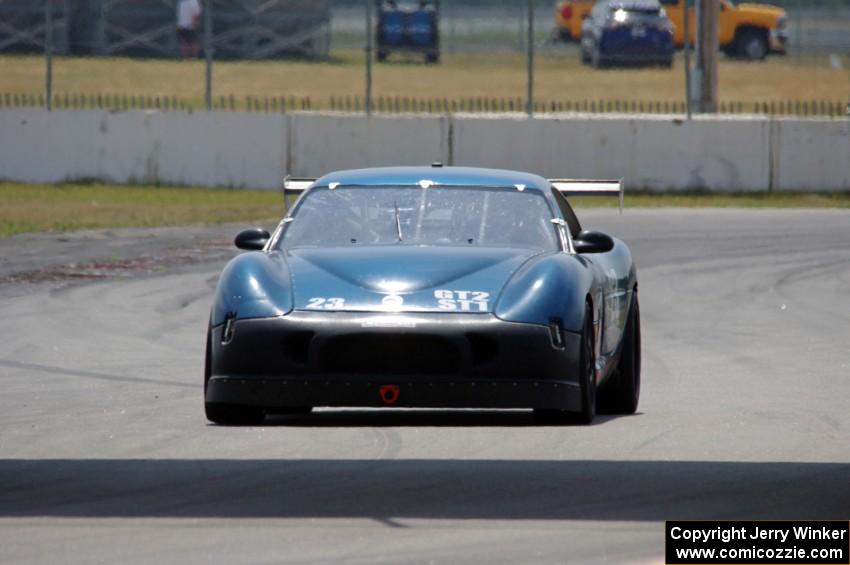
pixel 402 278
pixel 761 9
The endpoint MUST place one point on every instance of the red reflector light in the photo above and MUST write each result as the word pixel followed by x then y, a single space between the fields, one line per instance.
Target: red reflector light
pixel 567 11
pixel 389 393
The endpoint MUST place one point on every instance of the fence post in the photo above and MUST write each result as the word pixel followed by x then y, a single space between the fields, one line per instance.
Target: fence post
pixel 451 17
pixel 687 48
pixel 530 102
pixel 368 101
pixel 48 50
pixel 799 25
pixel 208 52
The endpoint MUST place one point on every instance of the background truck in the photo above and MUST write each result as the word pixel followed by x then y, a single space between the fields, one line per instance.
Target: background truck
pixel 750 31
pixel 411 27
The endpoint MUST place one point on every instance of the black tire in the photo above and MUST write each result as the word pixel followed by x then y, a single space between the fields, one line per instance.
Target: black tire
pixel 381 55
pixel 226 414
pixel 207 359
pixel 751 44
pixel 587 363
pixel 432 58
pixel 621 394
pixel 587 381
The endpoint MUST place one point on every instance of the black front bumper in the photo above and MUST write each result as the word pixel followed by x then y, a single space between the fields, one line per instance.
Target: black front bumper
pixel 409 360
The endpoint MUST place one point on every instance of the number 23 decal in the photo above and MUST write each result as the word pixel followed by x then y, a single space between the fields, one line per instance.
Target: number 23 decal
pixel 326 303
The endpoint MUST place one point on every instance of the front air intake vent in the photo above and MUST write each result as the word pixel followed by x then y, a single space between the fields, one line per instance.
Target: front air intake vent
pixel 483 348
pixel 296 346
pixel 389 355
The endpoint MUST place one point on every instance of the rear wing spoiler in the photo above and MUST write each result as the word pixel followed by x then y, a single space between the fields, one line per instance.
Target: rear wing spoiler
pixel 295 186
pixel 567 187
pixel 579 187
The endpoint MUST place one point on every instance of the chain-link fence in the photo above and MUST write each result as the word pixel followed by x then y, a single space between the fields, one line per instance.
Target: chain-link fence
pixel 283 55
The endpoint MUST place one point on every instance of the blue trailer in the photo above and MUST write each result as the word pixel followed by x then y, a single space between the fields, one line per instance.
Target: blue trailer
pixel 408 27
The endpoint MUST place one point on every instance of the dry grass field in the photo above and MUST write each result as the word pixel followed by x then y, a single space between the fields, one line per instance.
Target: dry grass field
pixel 39 207
pixel 559 77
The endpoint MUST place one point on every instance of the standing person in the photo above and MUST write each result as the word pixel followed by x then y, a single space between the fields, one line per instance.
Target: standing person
pixel 188 22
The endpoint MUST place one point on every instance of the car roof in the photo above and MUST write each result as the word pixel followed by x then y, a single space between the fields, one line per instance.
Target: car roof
pixel 635 4
pixel 452 176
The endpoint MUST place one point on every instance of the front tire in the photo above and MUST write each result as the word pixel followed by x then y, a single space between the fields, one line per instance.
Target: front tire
pixel 587 363
pixel 226 414
pixel 587 380
pixel 752 44
pixel 621 393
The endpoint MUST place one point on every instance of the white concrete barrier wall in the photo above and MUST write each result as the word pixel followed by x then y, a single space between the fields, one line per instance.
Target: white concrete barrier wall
pixel 205 149
pixel 811 155
pixel 653 153
pixel 322 143
pixel 257 150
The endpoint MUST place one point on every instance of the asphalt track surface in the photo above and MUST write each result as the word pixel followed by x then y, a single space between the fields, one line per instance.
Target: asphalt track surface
pixel 105 455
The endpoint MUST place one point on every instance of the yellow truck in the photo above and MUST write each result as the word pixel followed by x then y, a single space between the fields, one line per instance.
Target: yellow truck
pixel 749 31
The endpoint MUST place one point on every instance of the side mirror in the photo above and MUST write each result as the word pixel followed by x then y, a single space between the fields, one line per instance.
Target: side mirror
pixel 593 242
pixel 252 239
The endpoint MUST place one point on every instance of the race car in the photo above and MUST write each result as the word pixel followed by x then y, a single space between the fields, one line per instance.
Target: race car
pixel 426 287
pixel 627 31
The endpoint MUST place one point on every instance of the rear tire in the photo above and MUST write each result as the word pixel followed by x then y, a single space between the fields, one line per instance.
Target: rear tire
pixel 621 394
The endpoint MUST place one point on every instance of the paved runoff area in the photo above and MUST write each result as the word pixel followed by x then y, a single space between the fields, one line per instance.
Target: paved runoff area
pixel 105 455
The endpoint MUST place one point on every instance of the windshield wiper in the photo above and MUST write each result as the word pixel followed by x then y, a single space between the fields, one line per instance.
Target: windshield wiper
pixel 397 221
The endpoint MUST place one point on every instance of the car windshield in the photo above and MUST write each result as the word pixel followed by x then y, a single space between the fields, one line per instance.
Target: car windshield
pixel 490 217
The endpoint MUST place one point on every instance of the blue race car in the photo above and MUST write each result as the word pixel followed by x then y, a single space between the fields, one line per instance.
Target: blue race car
pixel 426 287
pixel 627 31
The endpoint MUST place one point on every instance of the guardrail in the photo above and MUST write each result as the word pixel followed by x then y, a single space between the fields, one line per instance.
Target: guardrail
pixel 408 105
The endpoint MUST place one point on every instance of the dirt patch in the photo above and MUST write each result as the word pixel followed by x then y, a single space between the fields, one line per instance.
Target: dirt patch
pixel 59 259
pixel 205 252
